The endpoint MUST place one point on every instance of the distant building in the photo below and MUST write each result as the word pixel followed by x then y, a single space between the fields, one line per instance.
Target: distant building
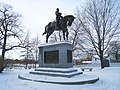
pixel 82 56
pixel 95 59
pixel 114 51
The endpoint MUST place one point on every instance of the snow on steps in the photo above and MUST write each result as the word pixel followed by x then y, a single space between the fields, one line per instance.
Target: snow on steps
pixel 58 72
pixel 68 76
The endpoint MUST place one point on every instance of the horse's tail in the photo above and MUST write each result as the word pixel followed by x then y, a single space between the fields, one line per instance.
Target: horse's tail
pixel 45 31
pixel 46 28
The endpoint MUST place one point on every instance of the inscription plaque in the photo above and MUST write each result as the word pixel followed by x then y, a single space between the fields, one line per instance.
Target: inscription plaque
pixel 51 57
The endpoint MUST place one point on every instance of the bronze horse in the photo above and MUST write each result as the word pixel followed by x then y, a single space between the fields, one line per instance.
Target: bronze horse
pixel 63 23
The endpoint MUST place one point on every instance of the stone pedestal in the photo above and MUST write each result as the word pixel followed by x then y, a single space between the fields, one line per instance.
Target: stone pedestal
pixel 55 55
pixel 55 61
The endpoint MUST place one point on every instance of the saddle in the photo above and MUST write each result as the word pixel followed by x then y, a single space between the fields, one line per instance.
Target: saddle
pixel 56 27
pixel 50 24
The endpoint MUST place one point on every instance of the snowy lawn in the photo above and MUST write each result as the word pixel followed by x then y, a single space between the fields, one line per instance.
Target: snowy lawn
pixel 109 79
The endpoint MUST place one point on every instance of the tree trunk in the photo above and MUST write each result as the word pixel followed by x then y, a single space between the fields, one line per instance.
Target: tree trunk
pixel 1 64
pixel 3 52
pixel 116 55
pixel 101 59
pixel 4 44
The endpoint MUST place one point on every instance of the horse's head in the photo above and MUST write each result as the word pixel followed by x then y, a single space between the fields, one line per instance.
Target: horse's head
pixel 70 19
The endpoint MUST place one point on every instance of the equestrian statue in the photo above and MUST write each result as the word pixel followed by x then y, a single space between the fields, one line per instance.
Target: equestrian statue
pixel 59 24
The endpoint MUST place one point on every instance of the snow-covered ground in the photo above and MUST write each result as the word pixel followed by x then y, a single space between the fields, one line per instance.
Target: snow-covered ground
pixel 109 79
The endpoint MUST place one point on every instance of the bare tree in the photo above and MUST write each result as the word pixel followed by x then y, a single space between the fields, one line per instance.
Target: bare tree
pixel 100 20
pixel 30 46
pixel 30 49
pixel 75 37
pixel 35 44
pixel 27 52
pixel 114 49
pixel 9 28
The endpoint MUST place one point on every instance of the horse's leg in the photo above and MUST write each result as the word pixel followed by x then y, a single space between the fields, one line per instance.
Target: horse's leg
pixel 47 36
pixel 67 33
pixel 64 35
pixel 59 35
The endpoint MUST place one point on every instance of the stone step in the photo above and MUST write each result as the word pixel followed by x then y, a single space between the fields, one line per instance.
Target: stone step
pixel 57 74
pixel 59 70
pixel 77 80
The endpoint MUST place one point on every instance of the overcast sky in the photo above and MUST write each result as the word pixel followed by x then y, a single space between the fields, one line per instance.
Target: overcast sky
pixel 36 14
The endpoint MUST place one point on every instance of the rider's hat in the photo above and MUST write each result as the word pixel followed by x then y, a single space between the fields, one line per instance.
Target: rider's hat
pixel 57 9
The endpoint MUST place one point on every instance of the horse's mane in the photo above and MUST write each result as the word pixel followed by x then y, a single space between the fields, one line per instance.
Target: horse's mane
pixel 68 16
